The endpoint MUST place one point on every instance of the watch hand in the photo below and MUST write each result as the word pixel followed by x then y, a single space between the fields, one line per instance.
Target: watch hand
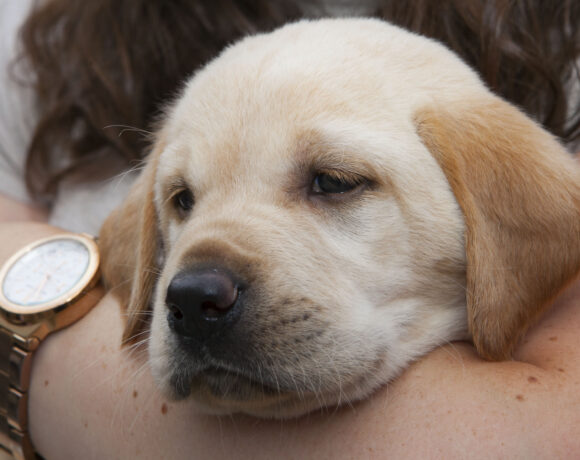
pixel 45 279
pixel 38 289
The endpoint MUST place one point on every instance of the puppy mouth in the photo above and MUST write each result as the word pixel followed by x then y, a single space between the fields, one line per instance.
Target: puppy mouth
pixel 224 383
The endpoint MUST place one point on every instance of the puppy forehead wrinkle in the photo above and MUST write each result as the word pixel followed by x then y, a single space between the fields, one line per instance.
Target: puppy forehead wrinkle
pixel 348 142
pixel 169 164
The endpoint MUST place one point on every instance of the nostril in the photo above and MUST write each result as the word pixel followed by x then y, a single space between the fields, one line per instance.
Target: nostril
pixel 210 310
pixel 175 311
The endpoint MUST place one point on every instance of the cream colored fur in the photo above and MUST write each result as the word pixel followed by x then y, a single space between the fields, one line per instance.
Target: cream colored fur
pixel 347 290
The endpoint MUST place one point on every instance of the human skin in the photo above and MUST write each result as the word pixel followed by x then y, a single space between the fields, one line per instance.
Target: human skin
pixel 12 210
pixel 90 398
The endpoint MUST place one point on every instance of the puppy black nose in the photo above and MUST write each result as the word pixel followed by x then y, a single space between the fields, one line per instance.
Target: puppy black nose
pixel 201 302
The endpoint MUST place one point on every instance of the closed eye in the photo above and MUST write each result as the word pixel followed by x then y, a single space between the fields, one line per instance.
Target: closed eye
pixel 335 182
pixel 183 202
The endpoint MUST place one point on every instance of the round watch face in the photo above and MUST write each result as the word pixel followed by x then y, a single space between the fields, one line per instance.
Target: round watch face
pixel 48 273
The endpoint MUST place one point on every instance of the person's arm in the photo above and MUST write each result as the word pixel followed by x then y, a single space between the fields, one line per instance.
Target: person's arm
pixel 91 399
pixel 12 210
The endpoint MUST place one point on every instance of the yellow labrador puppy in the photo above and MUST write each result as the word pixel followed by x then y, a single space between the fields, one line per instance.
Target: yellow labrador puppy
pixel 325 204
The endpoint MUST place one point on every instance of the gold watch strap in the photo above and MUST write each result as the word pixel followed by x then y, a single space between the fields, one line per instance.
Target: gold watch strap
pixel 15 367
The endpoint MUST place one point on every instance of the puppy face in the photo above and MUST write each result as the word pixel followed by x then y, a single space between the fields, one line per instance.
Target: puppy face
pixel 304 228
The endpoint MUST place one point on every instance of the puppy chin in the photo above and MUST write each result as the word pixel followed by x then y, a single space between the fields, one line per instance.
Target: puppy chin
pixel 250 401
pixel 218 392
pixel 215 394
pixel 259 404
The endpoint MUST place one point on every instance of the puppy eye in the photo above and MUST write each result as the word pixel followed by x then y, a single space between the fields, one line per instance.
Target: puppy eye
pixel 183 201
pixel 325 183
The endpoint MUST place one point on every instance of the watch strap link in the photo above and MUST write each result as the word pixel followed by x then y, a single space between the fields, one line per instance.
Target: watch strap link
pixel 15 367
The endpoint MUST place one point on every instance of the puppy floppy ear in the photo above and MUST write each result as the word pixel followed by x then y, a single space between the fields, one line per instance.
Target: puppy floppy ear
pixel 520 195
pixel 129 243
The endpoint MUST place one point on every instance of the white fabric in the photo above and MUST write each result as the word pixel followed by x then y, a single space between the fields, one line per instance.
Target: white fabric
pixel 16 103
pixel 82 206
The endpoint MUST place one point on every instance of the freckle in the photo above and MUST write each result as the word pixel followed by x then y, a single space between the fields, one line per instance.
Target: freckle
pixel 520 397
pixel 553 339
pixel 560 369
pixel 164 409
pixel 104 366
pixel 86 425
pixel 46 383
pixel 103 348
pixel 532 379
pixel 135 394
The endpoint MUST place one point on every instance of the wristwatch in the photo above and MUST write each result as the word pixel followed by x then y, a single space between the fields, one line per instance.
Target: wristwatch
pixel 45 286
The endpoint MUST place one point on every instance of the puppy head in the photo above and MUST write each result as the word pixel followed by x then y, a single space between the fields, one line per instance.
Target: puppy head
pixel 324 205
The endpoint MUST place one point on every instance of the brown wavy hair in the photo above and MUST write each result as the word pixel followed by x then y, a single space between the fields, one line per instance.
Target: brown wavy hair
pixel 103 63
